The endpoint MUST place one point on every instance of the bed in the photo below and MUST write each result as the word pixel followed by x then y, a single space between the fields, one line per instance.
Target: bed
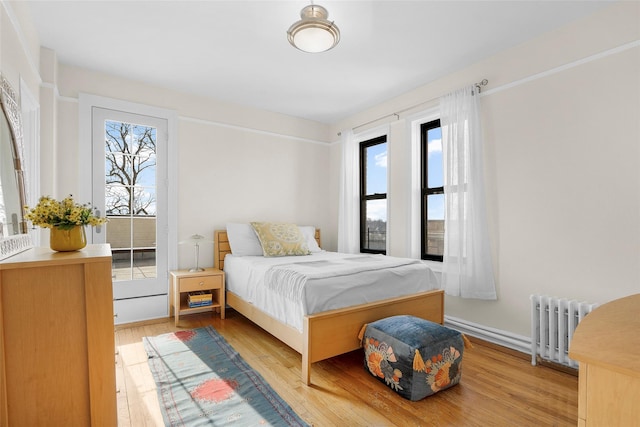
pixel 332 332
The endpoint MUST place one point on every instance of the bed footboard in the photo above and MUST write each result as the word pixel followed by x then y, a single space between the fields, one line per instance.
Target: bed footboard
pixel 335 332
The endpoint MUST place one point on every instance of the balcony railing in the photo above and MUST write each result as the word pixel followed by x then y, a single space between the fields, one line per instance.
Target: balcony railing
pixel 133 246
pixel 375 240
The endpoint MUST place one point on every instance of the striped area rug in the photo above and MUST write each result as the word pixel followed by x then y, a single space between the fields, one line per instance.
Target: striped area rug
pixel 202 381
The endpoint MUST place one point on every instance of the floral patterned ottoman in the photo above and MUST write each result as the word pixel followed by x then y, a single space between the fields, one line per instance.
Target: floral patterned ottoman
pixel 414 357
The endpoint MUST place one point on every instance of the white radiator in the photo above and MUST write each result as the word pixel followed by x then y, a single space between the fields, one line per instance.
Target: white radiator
pixel 553 321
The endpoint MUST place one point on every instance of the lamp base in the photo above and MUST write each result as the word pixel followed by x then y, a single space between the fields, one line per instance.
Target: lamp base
pixel 195 269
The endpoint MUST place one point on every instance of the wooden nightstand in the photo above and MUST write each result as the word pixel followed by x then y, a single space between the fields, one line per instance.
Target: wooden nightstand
pixel 185 281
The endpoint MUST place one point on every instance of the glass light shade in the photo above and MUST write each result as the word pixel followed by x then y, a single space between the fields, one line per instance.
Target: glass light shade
pixel 313 40
pixel 314 33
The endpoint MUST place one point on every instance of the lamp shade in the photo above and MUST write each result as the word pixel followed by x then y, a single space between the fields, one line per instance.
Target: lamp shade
pixel 314 33
pixel 195 239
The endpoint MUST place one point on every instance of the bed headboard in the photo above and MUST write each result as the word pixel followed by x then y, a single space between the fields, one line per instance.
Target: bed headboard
pixel 221 247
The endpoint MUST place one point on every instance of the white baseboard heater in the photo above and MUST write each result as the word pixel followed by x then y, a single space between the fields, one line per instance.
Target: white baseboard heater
pixel 553 321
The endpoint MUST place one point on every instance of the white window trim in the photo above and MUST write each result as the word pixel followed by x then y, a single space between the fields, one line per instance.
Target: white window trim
pixel 376 132
pixel 413 224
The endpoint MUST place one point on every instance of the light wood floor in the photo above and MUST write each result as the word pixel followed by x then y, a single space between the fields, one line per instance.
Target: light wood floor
pixel 497 388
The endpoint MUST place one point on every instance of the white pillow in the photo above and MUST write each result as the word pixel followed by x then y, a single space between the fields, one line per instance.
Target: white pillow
pixel 309 233
pixel 243 240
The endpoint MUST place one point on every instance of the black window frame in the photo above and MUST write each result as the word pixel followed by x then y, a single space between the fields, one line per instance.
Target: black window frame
pixel 366 197
pixel 426 191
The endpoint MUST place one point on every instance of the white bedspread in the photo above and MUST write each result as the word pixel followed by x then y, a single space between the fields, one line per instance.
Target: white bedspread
pixel 288 288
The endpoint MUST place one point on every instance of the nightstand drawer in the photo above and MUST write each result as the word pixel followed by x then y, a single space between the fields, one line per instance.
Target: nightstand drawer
pixel 188 284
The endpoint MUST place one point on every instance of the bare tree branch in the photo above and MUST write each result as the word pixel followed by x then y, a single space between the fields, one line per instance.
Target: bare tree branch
pixel 130 151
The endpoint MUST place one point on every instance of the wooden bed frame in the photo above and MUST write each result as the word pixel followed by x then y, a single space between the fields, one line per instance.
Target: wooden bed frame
pixel 333 332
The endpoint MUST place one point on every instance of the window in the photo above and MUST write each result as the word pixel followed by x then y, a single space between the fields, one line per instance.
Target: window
pixel 130 165
pixel 373 195
pixel 432 191
pixel 130 197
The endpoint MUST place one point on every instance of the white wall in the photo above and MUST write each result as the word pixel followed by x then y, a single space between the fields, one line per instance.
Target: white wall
pixel 234 163
pixel 562 166
pixel 18 48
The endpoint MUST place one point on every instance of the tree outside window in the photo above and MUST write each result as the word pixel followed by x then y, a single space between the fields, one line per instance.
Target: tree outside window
pixel 130 169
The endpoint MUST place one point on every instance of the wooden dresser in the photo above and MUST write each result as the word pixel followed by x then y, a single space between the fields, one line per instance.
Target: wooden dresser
pixel 607 345
pixel 57 362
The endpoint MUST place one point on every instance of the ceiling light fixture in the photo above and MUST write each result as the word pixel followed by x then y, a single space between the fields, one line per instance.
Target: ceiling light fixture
pixel 314 33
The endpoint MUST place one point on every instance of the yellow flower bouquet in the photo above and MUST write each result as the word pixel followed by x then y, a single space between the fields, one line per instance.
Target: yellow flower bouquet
pixel 65 214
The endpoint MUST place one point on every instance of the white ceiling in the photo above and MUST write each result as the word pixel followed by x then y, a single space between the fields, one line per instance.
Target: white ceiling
pixel 237 51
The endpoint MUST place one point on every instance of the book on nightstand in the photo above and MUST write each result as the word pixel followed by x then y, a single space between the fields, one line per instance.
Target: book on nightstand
pixel 199 299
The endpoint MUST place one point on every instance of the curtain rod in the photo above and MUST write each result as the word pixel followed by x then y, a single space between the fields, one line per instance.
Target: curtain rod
pixel 478 85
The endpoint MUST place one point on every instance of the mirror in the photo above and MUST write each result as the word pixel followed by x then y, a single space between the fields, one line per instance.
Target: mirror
pixel 13 227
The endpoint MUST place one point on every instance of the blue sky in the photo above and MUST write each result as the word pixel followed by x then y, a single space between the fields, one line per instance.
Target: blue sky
pixel 377 169
pixel 377 176
pixel 377 180
pixel 434 173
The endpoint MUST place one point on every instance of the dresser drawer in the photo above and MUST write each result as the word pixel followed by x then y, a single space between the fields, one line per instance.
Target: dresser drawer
pixel 188 284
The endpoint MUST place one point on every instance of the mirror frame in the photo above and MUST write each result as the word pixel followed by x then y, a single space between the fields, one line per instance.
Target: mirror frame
pixel 11 245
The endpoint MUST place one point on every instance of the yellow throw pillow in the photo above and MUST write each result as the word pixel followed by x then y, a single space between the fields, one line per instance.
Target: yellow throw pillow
pixel 280 239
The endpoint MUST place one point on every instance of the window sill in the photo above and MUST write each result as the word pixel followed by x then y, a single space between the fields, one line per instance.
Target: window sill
pixel 435 266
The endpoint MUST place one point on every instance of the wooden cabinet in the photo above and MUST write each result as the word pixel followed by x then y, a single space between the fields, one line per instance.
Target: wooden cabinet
pixel 607 345
pixel 184 281
pixel 57 339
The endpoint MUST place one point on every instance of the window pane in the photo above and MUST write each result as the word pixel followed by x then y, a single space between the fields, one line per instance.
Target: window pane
pixel 143 139
pixel 144 200
pixel 118 168
pixel 146 166
pixel 144 232
pixel 119 232
pixel 434 158
pixel 435 224
pixel 375 232
pixel 144 247
pixel 117 135
pixel 119 237
pixel 376 169
pixel 117 200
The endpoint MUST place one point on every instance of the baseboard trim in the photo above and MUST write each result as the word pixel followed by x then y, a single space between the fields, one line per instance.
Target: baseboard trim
pixel 485 333
pixel 140 323
pixel 557 366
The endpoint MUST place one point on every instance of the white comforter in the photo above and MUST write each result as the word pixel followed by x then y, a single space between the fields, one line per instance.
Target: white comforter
pixel 288 288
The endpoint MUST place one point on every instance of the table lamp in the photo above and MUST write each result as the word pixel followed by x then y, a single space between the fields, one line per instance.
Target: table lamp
pixel 196 240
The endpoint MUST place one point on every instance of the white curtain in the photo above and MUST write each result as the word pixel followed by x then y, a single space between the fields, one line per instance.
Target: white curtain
pixel 467 268
pixel 349 208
